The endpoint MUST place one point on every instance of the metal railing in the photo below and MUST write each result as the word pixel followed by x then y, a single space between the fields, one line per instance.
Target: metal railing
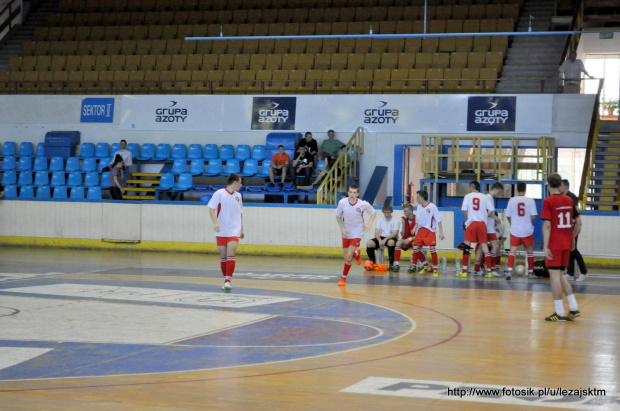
pixel 344 171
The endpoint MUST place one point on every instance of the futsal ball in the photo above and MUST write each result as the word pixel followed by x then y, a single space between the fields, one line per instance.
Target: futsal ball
pixel 368 265
pixel 520 270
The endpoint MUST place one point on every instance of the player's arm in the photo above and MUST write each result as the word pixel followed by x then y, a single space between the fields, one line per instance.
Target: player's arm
pixel 440 229
pixel 378 234
pixel 216 224
pixel 372 220
pixel 546 234
pixel 341 225
pixel 241 235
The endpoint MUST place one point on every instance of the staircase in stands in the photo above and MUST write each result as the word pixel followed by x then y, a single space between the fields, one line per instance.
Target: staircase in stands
pixel 604 179
pixel 142 186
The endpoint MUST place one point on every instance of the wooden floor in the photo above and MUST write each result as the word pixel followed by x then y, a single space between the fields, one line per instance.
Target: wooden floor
pixel 96 330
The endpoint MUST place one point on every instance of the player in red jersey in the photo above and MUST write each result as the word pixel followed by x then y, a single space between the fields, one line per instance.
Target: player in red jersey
pixel 226 208
pixel 561 226
pixel 407 235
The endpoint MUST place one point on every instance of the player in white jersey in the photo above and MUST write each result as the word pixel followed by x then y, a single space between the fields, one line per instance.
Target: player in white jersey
pixel 492 220
pixel 476 209
pixel 521 212
pixel 350 218
pixel 428 220
pixel 225 209
pixel 386 235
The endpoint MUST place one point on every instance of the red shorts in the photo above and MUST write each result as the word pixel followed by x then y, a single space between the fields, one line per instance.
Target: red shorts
pixel 351 242
pixel 425 237
pixel 528 242
pixel 560 258
pixel 491 237
pixel 223 241
pixel 476 232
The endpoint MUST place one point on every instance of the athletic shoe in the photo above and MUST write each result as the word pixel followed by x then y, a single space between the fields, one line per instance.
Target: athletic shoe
pixel 495 274
pixel 573 314
pixel 358 256
pixel 508 275
pixel 281 185
pixel 271 185
pixel 435 274
pixel 396 268
pixel 342 282
pixel 556 318
pixel 582 277
pixel 489 275
pixel 463 274
pixel 532 276
pixel 424 270
pixel 226 286
pixel 390 267
pixel 569 277
pixel 478 272
pixel 412 269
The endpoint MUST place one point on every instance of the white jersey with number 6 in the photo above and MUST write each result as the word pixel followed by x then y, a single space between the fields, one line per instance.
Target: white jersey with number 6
pixel 477 206
pixel 352 216
pixel 520 209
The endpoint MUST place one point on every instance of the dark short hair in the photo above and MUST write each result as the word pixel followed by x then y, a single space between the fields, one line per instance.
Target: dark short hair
pixel 423 194
pixel 233 177
pixel 497 186
pixel 354 187
pixel 280 146
pixel 521 187
pixel 307 132
pixel 554 180
pixel 387 207
pixel 124 141
pixel 330 131
pixel 475 185
pixel 566 183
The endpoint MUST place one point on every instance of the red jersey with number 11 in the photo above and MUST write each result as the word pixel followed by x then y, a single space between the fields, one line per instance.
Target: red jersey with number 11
pixel 561 212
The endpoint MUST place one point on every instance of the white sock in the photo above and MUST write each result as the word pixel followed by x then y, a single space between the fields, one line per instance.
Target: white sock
pixel 572 302
pixel 559 307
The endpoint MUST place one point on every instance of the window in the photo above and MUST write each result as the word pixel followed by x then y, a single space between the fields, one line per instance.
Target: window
pixel 605 66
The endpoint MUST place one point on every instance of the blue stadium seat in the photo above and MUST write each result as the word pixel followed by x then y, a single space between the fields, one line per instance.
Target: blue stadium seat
pixel 58 179
pixel 91 179
pixel 60 192
pixel 206 198
pixel 9 149
pixel 166 182
pixel 197 166
pixel 89 164
pixel 258 152
pixel 25 150
pixel 57 164
pixel 226 152
pixel 44 192
pixel 243 152
pixel 8 163
pixel 264 169
pixel 9 178
pixel 102 150
pixel 184 183
pixel 194 151
pixel 320 164
pixel 73 164
pixel 77 192
pixel 114 148
pixel 87 150
pixel 94 193
pixel 40 150
pixel 179 151
pixel 40 164
pixel 26 192
pixel 105 180
pixel 24 164
pixel 24 179
pixel 147 152
pixel 134 149
pixel 179 166
pixel 41 178
pixel 250 167
pixel 214 168
pixel 162 153
pixel 210 151
pixel 232 166
pixel 75 179
pixel 10 191
pixel 103 163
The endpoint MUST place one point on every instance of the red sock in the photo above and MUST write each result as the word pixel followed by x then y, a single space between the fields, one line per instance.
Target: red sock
pixel 477 265
pixel 489 261
pixel 397 255
pixel 498 261
pixel 465 262
pixel 530 263
pixel 511 261
pixel 434 258
pixel 347 267
pixel 422 258
pixel 230 266
pixel 223 266
pixel 414 258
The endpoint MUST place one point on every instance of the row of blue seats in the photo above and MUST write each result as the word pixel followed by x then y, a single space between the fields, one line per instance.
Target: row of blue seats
pixel 55 164
pixel 216 167
pixel 148 151
pixel 60 192
pixel 59 178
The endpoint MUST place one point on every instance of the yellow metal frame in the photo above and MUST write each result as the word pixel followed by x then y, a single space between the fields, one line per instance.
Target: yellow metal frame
pixel 346 167
pixel 503 160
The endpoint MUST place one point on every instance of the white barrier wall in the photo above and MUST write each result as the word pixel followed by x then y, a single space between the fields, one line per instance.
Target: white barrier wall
pixel 301 226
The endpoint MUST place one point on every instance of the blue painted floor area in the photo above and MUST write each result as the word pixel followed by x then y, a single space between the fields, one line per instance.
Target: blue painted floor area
pixel 308 326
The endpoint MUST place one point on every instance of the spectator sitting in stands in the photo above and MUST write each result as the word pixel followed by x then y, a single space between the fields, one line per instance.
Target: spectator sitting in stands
pixel 310 145
pixel 116 190
pixel 322 172
pixel 127 160
pixel 330 148
pixel 304 162
pixel 279 161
